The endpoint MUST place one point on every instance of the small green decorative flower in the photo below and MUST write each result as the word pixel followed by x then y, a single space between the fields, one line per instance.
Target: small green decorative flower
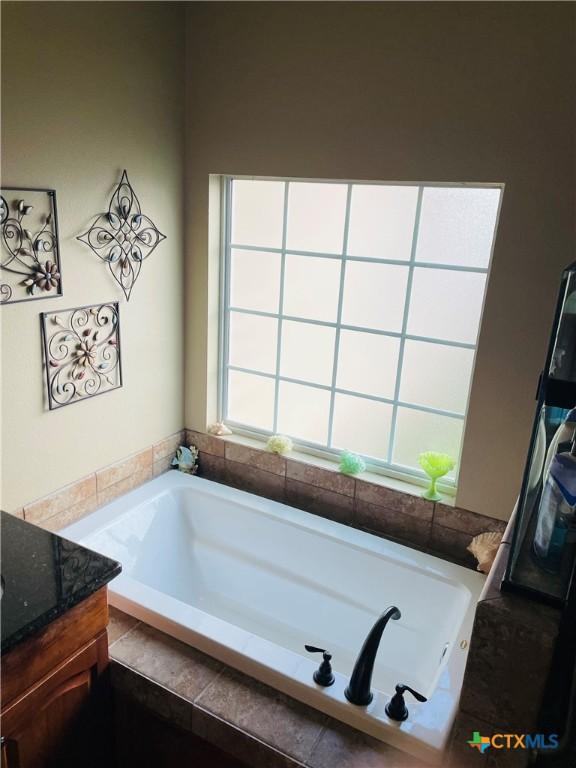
pixel 279 444
pixel 351 463
pixel 436 465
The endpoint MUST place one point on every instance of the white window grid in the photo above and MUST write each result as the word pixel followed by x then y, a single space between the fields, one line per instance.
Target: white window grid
pixel 226 308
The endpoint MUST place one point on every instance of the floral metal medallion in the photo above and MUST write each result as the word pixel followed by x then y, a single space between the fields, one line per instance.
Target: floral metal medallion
pixel 123 237
pixel 82 353
pixel 30 258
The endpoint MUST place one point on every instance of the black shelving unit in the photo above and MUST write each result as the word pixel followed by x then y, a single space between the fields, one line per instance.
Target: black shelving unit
pixel 527 573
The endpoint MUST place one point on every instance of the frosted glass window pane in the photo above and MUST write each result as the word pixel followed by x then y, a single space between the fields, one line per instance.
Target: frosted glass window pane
pixel 382 221
pixel 316 214
pixel 361 425
pixel 436 376
pixel 253 342
pixel 258 213
pixel 367 363
pixel 303 412
pixel 307 352
pixel 457 226
pixel 417 431
pixel 311 287
pixel 255 280
pixel 446 304
pixel 251 400
pixel 374 295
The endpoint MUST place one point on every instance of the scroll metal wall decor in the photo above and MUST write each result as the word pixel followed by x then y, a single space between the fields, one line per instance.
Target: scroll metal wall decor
pixel 123 237
pixel 81 352
pixel 29 253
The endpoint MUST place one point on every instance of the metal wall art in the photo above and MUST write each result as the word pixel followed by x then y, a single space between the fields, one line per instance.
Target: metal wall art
pixel 123 237
pixel 29 254
pixel 81 352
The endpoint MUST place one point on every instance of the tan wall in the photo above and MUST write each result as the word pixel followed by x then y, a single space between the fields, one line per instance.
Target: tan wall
pixel 87 90
pixel 478 92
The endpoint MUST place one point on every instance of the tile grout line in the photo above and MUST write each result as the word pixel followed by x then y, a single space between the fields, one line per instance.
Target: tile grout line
pixel 128 631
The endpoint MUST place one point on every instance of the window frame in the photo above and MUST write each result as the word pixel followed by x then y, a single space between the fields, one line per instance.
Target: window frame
pixel 381 466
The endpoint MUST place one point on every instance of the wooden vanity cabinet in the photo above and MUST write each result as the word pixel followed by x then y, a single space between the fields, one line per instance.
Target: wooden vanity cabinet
pixel 55 709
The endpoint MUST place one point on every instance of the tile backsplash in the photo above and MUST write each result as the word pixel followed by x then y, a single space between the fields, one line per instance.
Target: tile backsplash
pixel 405 517
pixel 402 516
pixel 72 502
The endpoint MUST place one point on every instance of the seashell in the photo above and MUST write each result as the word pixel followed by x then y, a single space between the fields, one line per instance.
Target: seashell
pixel 484 548
pixel 219 428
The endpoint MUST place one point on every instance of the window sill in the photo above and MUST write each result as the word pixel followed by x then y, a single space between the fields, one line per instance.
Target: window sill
pixel 401 485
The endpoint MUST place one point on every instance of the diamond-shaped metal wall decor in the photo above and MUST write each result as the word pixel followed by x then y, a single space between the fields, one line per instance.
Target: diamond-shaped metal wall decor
pixel 123 237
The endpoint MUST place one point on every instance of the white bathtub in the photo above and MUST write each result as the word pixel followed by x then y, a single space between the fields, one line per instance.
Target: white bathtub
pixel 250 582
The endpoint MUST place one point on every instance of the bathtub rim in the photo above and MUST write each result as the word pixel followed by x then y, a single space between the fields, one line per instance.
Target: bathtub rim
pixel 183 621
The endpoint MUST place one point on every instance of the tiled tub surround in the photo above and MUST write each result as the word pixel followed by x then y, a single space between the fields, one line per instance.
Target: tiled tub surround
pixel 250 582
pixel 256 724
pixel 509 659
pixel 495 671
pixel 72 502
pixel 317 487
pixel 400 515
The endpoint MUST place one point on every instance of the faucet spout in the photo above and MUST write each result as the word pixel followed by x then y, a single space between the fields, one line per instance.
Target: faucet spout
pixel 358 690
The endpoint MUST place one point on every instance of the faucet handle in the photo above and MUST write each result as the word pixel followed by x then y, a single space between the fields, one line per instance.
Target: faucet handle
pixel 323 675
pixel 313 649
pixel 396 708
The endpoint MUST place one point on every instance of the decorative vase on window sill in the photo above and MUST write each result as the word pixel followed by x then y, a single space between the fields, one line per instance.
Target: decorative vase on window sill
pixel 436 465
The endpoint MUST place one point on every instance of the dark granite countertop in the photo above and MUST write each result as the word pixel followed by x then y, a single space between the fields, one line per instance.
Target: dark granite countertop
pixel 43 576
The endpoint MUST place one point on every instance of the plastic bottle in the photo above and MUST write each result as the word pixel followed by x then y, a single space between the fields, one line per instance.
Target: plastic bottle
pixel 556 513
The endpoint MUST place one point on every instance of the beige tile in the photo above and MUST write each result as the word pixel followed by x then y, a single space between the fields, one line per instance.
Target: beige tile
pixel 465 521
pixel 119 623
pixel 340 746
pixel 166 448
pixel 453 543
pixel 18 512
pixel 167 661
pixel 123 469
pixel 162 465
pixel 319 501
pixel 393 523
pixel 125 485
pixel 69 516
pixel 330 480
pixel 205 443
pixel 246 748
pixel 60 500
pixel 174 708
pixel 254 480
pixel 407 503
pixel 263 712
pixel 270 462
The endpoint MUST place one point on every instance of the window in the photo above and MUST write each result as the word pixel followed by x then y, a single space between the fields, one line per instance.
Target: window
pixel 351 312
